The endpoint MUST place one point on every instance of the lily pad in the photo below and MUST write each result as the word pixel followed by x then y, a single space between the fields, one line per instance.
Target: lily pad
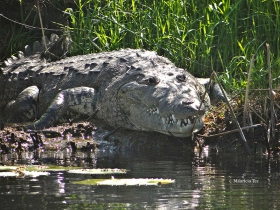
pixel 8 173
pixel 50 168
pixel 8 168
pixel 35 173
pixel 125 182
pixel 37 168
pixel 98 171
pixel 23 173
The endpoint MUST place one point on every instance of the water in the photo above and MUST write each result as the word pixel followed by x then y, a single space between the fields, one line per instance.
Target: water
pixel 208 181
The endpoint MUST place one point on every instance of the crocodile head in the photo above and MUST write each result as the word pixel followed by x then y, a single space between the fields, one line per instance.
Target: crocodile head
pixel 161 100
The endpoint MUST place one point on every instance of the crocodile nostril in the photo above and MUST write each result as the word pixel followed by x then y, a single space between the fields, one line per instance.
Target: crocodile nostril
pixel 186 103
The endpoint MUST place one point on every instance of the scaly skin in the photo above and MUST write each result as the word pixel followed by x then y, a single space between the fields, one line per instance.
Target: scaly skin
pixel 131 88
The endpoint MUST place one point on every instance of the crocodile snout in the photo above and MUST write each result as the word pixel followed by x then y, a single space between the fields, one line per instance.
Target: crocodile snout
pixel 186 103
pixel 188 107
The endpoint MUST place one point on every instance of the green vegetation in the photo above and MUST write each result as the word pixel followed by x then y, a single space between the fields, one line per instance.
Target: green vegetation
pixel 200 36
pixel 15 35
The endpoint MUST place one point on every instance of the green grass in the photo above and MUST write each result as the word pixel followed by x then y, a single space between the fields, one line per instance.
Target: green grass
pixel 200 36
pixel 17 34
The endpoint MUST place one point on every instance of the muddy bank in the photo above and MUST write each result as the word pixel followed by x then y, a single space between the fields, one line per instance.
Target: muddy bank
pixel 86 137
pixel 95 135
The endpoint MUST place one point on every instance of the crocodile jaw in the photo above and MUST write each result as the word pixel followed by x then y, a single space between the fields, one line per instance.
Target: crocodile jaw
pixel 151 120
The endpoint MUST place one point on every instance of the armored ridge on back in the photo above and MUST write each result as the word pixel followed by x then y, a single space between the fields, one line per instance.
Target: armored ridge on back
pixel 130 88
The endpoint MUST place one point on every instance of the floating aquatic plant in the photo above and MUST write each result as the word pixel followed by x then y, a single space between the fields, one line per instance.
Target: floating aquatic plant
pixel 8 168
pixel 43 169
pixel 37 168
pixel 98 171
pixel 23 173
pixel 125 182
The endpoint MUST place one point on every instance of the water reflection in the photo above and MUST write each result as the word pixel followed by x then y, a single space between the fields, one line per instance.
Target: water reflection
pixel 203 181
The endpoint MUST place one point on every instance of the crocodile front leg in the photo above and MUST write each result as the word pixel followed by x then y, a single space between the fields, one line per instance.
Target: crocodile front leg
pixel 24 107
pixel 81 100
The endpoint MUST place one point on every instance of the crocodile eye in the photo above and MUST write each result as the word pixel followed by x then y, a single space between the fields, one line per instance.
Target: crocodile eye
pixel 150 81
pixel 181 78
pixel 153 80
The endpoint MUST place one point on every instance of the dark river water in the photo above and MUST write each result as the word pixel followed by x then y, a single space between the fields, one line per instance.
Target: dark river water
pixel 211 180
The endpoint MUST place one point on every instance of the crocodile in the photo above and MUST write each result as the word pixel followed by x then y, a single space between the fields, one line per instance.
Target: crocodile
pixel 135 89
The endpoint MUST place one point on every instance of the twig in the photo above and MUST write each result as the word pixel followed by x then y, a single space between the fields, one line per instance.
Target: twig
pixel 265 109
pixel 28 26
pixel 233 115
pixel 272 111
pixel 276 105
pixel 43 33
pixel 252 109
pixel 41 23
pixel 171 134
pixel 268 131
pixel 246 104
pixel 251 123
pixel 94 44
pixel 232 131
pixel 247 116
pixel 112 132
pixel 265 89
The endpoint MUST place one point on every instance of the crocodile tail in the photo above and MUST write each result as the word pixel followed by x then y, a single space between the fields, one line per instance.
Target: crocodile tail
pixel 39 47
pixel 57 48
pixel 10 61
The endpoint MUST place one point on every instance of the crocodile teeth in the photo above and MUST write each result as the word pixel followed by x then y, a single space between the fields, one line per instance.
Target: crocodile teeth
pixel 192 119
pixel 174 118
pixel 179 122
pixel 171 119
pixel 154 110
pixel 157 110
